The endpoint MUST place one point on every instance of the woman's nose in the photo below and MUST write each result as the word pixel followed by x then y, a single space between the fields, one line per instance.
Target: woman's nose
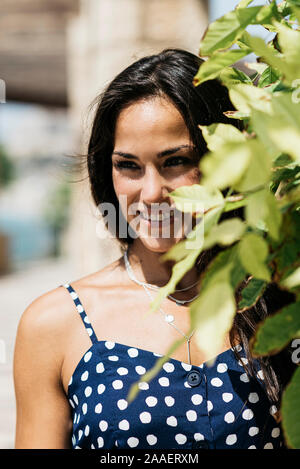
pixel 153 187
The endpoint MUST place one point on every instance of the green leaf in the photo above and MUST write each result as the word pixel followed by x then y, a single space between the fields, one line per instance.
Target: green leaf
pixel 225 233
pixel 289 42
pixel 223 32
pixel 230 76
pixel 245 98
pixel 216 135
pixel 258 67
pixel 196 198
pixel 262 207
pixel 269 54
pixel 251 293
pixel 253 251
pixel 212 67
pixel 259 168
pixel 244 3
pixel 290 411
pixel 277 331
pixel 268 77
pixel 225 166
pixel 292 280
pixel 212 314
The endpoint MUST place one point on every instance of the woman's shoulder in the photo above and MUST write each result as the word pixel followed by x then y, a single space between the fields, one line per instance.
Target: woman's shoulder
pixel 53 310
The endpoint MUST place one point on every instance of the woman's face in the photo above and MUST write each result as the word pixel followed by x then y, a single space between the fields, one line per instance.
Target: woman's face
pixel 153 155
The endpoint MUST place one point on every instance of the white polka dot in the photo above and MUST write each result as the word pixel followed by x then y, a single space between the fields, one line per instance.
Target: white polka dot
pixel 72 403
pixel 75 399
pixel 74 295
pixel 88 391
pixel 217 382
pixel 237 347
pixel 143 385
pixel 273 409
pixel 198 436
pixel 247 414
pixel 169 400
pixel 172 421
pixel 84 408
pixel 79 308
pixel 71 381
pixel 100 442
pixel 84 376
pixel 101 388
pixel 197 399
pixel 157 354
pixel 275 432
pixel 252 447
pixel 103 425
pixel 87 430
pixel 168 367
pixel 100 367
pixel 140 370
pixel 89 331
pixel 117 384
pixel 260 374
pixel 122 404
pixel 191 415
pixel 122 371
pixel 164 381
pixel 151 401
pixel 80 433
pixel 209 406
pixel 244 377
pixel 110 345
pixel 124 425
pixel 229 417
pixel 78 418
pixel 132 442
pixel 227 396
pixel 86 320
pixel 151 439
pixel 98 408
pixel 113 358
pixel 253 397
pixel 268 446
pixel 132 352
pixel 231 439
pixel 187 385
pixel 222 368
pixel 180 438
pixel 92 446
pixel 145 417
pixel 253 431
pixel 243 361
pixel 186 366
pixel 87 356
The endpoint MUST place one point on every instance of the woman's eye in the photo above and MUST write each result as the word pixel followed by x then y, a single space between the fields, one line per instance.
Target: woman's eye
pixel 126 165
pixel 177 160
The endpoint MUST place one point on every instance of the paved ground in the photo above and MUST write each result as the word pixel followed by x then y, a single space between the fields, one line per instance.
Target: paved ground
pixel 17 291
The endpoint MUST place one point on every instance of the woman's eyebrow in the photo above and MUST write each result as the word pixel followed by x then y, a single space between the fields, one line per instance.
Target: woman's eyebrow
pixel 168 151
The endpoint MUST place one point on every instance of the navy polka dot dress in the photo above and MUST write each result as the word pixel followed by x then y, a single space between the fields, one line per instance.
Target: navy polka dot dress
pixel 183 407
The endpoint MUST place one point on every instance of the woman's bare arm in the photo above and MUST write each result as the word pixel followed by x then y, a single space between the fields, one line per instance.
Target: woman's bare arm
pixel 43 412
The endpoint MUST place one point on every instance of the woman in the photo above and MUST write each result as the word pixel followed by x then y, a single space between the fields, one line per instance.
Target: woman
pixel 81 346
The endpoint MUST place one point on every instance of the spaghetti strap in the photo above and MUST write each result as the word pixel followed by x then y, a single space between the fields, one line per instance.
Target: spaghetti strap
pixel 82 313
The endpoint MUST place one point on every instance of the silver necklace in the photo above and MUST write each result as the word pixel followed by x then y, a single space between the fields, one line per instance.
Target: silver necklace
pixel 155 287
pixel 169 318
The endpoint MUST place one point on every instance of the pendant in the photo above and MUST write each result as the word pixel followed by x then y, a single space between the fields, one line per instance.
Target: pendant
pixel 169 318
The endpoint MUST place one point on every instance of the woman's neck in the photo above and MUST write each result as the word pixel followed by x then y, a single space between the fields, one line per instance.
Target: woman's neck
pixel 148 267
